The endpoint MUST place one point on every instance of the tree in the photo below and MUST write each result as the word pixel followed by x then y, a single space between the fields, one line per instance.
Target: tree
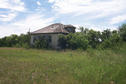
pixel 78 40
pixel 94 38
pixel 111 41
pixel 122 32
pixel 0 43
pixel 106 34
pixel 9 41
pixel 83 30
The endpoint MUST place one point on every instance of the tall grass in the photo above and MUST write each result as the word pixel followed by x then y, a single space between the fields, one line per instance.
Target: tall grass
pixel 22 66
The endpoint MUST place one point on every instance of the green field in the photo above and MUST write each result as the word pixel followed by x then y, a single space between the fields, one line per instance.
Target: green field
pixel 31 66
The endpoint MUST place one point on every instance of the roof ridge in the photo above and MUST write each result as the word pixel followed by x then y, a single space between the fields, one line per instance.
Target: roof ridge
pixel 58 28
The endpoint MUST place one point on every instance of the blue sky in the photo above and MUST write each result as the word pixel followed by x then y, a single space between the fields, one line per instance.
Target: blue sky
pixel 17 16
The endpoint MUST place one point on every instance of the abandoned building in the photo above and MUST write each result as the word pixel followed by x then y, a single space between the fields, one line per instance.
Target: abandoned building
pixel 52 33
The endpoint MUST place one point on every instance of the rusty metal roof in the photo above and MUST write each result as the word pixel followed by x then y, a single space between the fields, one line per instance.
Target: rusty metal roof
pixel 53 28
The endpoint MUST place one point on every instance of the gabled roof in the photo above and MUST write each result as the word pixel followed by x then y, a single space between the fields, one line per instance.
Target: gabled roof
pixel 54 28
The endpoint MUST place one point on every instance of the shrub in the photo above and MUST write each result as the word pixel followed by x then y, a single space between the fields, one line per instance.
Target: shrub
pixel 94 38
pixel 112 41
pixel 78 41
pixel 62 41
pixel 74 41
pixel 41 43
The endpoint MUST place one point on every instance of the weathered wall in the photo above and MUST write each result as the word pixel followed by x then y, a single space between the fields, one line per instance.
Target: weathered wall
pixel 54 39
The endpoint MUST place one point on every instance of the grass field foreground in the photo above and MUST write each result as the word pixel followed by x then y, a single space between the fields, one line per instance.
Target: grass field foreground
pixel 22 66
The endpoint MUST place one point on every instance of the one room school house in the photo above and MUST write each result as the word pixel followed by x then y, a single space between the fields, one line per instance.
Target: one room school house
pixel 52 33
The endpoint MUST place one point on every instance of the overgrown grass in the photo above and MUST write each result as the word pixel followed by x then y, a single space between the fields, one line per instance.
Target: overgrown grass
pixel 22 66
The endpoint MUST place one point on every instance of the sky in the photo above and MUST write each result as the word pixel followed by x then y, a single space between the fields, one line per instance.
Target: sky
pixel 20 16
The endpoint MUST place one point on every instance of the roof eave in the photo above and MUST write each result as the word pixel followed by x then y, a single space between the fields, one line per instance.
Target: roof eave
pixel 50 33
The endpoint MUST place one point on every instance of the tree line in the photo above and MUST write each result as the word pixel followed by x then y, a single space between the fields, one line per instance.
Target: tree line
pixel 14 40
pixel 86 38
pixel 93 39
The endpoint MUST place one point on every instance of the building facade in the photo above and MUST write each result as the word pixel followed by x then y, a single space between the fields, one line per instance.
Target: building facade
pixel 52 33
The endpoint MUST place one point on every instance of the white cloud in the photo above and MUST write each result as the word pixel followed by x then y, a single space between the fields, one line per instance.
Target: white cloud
pixel 97 8
pixel 92 11
pixel 8 17
pixel 38 3
pixel 12 7
pixel 51 1
pixel 118 19
pixel 33 21
pixel 15 5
